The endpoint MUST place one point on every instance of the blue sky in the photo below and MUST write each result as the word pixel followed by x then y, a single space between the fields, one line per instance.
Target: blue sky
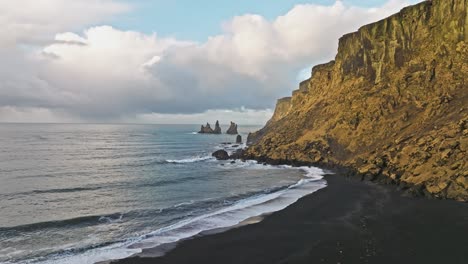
pixel 198 19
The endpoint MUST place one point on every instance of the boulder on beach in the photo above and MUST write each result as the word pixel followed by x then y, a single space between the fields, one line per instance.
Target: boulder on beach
pixel 221 155
pixel 232 129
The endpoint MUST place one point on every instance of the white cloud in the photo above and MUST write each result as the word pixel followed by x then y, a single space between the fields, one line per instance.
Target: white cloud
pixel 33 22
pixel 106 74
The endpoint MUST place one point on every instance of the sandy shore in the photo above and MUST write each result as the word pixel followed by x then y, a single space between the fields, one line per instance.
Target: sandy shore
pixel 347 222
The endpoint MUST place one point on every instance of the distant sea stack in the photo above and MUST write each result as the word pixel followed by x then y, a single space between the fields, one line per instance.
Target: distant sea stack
pixel 232 129
pixel 208 130
pixel 392 107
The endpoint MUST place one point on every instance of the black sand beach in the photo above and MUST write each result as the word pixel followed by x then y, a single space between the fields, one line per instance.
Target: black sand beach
pixel 347 222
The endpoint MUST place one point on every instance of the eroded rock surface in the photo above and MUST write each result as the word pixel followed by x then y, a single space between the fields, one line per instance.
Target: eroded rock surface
pixel 392 106
pixel 221 155
pixel 232 129
pixel 208 130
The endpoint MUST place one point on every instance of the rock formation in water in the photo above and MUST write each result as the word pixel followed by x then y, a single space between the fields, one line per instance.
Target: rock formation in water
pixel 217 129
pixel 232 129
pixel 221 155
pixel 391 107
pixel 208 130
pixel 239 139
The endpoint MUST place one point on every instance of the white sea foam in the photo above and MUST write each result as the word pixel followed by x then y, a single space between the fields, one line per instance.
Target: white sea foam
pixel 238 212
pixel 109 219
pixel 191 160
pixel 227 217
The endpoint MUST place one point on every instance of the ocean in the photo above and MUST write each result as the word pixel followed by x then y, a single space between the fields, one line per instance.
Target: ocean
pixel 83 193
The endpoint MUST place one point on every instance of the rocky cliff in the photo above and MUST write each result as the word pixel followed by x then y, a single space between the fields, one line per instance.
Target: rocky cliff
pixel 391 107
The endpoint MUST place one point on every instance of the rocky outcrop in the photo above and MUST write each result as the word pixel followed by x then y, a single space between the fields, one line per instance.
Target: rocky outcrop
pixel 391 107
pixel 232 129
pixel 221 155
pixel 283 106
pixel 239 139
pixel 217 129
pixel 208 130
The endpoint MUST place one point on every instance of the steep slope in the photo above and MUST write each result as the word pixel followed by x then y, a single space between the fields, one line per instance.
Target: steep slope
pixel 392 106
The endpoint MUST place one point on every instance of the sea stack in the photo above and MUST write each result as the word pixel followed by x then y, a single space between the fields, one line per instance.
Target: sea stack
pixel 239 139
pixel 232 129
pixel 217 129
pixel 208 130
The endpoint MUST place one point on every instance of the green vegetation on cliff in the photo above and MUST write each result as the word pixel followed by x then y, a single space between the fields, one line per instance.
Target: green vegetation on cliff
pixel 392 106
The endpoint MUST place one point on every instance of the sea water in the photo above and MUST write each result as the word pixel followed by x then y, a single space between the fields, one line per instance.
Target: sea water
pixel 83 193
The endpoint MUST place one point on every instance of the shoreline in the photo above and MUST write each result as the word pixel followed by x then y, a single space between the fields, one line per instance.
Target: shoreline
pixel 311 181
pixel 349 221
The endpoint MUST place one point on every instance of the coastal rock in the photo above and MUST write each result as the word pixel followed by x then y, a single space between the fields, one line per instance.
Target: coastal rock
pixel 238 154
pixel 208 130
pixel 221 155
pixel 217 129
pixel 232 129
pixel 391 105
pixel 239 139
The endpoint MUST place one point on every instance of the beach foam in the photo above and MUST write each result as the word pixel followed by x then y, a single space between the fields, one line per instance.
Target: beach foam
pixel 191 160
pixel 232 215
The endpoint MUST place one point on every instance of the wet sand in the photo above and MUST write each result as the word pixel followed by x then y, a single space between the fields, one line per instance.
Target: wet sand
pixel 348 222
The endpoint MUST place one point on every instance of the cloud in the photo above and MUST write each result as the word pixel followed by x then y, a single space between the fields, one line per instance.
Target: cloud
pixel 107 74
pixel 33 22
pixel 10 114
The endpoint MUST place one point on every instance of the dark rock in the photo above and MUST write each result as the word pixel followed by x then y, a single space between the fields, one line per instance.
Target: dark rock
pixel 232 129
pixel 208 130
pixel 221 155
pixel 239 139
pixel 217 129
pixel 233 162
pixel 238 154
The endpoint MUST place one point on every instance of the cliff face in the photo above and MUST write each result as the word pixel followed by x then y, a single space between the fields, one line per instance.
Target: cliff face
pixel 392 106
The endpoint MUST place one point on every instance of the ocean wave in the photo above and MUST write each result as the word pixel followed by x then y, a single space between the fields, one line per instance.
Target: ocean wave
pixel 65 190
pixel 184 203
pixel 191 160
pixel 254 205
pixel 230 148
pixel 57 224
pixel 226 213
pixel 111 219
pixel 50 191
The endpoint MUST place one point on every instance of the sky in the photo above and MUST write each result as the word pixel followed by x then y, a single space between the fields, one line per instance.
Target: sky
pixel 154 61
